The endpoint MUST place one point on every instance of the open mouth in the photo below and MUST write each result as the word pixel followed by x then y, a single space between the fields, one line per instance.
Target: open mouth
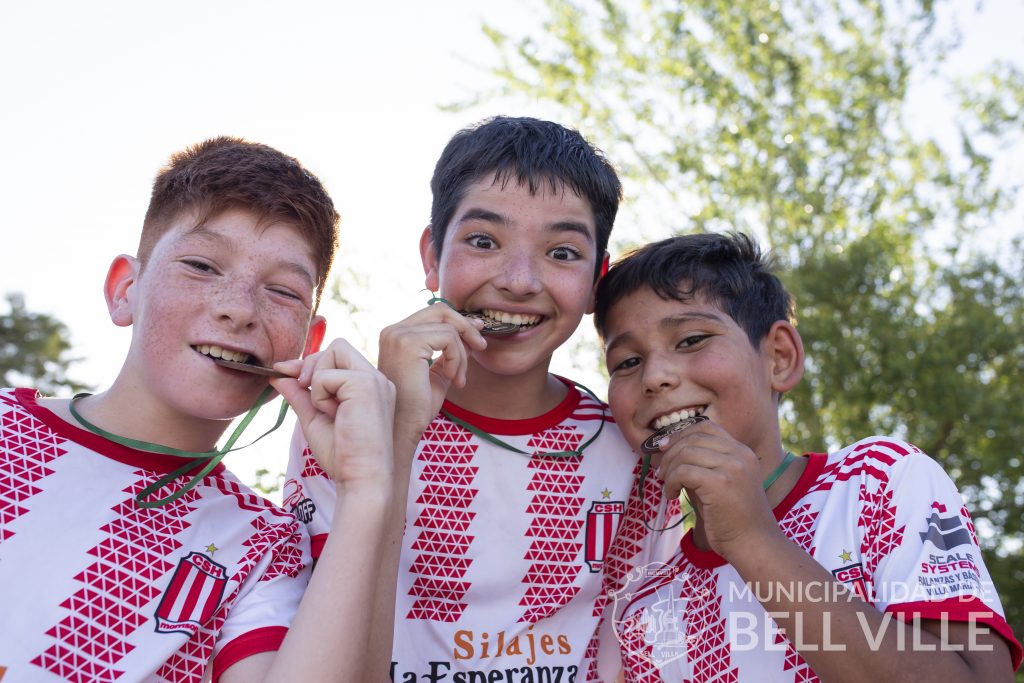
pixel 214 351
pixel 671 424
pixel 500 323
pixel 677 416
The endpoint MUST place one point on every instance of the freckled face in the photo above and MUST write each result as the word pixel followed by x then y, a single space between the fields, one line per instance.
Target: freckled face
pixel 664 356
pixel 532 255
pixel 231 283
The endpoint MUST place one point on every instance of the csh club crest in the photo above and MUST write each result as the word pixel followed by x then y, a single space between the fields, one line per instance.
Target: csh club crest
pixel 193 595
pixel 602 522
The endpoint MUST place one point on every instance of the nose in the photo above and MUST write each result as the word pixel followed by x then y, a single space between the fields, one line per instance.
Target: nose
pixel 235 305
pixel 518 274
pixel 659 373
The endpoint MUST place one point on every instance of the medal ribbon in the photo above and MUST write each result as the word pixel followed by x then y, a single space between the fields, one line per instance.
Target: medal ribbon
pixel 487 436
pixel 212 458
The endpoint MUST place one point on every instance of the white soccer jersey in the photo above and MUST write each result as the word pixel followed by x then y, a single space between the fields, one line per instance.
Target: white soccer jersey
pixel 503 553
pixel 95 588
pixel 880 515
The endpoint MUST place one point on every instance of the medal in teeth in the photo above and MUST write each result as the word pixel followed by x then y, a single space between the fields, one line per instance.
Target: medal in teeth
pixel 492 326
pixel 654 442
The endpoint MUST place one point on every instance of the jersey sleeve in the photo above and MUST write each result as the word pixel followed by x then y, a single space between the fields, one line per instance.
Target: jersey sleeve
pixel 921 551
pixel 267 600
pixel 309 493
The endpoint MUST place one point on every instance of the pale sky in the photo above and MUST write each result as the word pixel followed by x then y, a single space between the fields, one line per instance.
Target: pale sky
pixel 96 96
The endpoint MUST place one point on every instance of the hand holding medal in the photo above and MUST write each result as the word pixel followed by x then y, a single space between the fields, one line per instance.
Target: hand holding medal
pixel 721 477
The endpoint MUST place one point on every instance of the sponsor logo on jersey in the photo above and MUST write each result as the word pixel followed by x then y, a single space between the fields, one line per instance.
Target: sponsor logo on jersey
pixel 945 533
pixel 852 575
pixel 296 503
pixel 602 522
pixel 193 595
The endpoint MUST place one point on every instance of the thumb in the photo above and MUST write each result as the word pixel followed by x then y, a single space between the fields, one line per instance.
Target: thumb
pixel 297 397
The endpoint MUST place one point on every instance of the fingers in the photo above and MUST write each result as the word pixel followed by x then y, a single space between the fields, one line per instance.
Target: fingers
pixel 706 456
pixel 307 396
pixel 435 335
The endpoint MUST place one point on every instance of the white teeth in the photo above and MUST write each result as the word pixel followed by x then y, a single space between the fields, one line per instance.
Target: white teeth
pixel 215 351
pixel 521 319
pixel 672 418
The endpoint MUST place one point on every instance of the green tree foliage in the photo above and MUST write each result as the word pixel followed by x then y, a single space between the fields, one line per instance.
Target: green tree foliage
pixel 33 350
pixel 791 120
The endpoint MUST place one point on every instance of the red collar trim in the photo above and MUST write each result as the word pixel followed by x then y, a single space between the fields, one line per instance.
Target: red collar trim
pixel 709 559
pixel 154 462
pixel 532 425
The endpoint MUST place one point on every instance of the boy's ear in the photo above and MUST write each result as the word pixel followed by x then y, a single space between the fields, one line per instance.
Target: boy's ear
pixel 315 336
pixel 786 356
pixel 430 262
pixel 117 289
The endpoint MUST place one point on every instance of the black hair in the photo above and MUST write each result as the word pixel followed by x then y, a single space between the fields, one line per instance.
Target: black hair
pixel 531 152
pixel 730 270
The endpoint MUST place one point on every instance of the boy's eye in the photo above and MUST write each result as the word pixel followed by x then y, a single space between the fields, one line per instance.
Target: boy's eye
pixel 692 340
pixel 481 241
pixel 286 293
pixel 201 266
pixel 565 254
pixel 626 364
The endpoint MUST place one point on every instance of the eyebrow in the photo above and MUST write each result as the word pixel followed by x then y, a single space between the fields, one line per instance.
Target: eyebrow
pixel 204 234
pixel 666 323
pixel 488 216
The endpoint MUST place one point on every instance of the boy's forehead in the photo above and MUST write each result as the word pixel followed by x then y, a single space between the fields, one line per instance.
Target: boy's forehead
pixel 497 189
pixel 645 309
pixel 236 228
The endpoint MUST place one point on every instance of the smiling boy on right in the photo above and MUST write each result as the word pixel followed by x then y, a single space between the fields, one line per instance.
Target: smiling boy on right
pixel 858 565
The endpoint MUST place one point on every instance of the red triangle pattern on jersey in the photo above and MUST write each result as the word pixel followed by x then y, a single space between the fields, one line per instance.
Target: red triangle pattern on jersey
pixel 543 504
pixel 556 512
pixel 590 658
pixel 710 657
pixel 637 653
pixel 110 584
pixel 881 535
pixel 553 551
pixel 310 467
pixel 447 496
pixel 440 589
pixel 802 672
pixel 27 448
pixel 970 523
pixel 443 542
pixel 628 541
pixel 798 524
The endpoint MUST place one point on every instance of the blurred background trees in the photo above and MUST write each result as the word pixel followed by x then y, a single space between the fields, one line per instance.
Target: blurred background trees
pixel 34 350
pixel 793 121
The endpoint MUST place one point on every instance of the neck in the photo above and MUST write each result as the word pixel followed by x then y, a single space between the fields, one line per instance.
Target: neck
pixel 136 415
pixel 508 397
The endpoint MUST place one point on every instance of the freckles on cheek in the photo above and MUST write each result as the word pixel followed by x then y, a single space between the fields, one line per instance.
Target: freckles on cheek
pixel 288 338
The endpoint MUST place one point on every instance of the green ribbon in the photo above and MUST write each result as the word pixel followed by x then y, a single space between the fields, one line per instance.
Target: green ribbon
pixel 487 436
pixel 212 458
pixel 769 480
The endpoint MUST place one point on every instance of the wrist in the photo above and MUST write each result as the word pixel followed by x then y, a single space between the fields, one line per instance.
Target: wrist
pixel 753 547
